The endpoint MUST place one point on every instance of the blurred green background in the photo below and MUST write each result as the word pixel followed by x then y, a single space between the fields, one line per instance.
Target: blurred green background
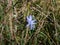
pixel 13 30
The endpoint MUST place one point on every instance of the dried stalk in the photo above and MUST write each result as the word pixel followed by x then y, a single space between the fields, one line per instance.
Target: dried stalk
pixel 10 14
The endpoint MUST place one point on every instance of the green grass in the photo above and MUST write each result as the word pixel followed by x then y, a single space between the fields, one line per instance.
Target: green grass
pixel 13 30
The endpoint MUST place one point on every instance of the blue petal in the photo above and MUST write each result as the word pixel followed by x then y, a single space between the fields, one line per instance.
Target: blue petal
pixel 30 17
pixel 31 27
pixel 32 22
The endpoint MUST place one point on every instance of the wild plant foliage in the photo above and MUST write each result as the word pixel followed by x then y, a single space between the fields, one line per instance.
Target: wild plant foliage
pixel 29 22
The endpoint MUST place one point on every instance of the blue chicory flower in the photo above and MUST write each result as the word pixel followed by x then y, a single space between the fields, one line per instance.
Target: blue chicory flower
pixel 31 22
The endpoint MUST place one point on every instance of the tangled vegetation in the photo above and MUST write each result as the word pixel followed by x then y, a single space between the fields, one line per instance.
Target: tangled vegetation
pixel 13 22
